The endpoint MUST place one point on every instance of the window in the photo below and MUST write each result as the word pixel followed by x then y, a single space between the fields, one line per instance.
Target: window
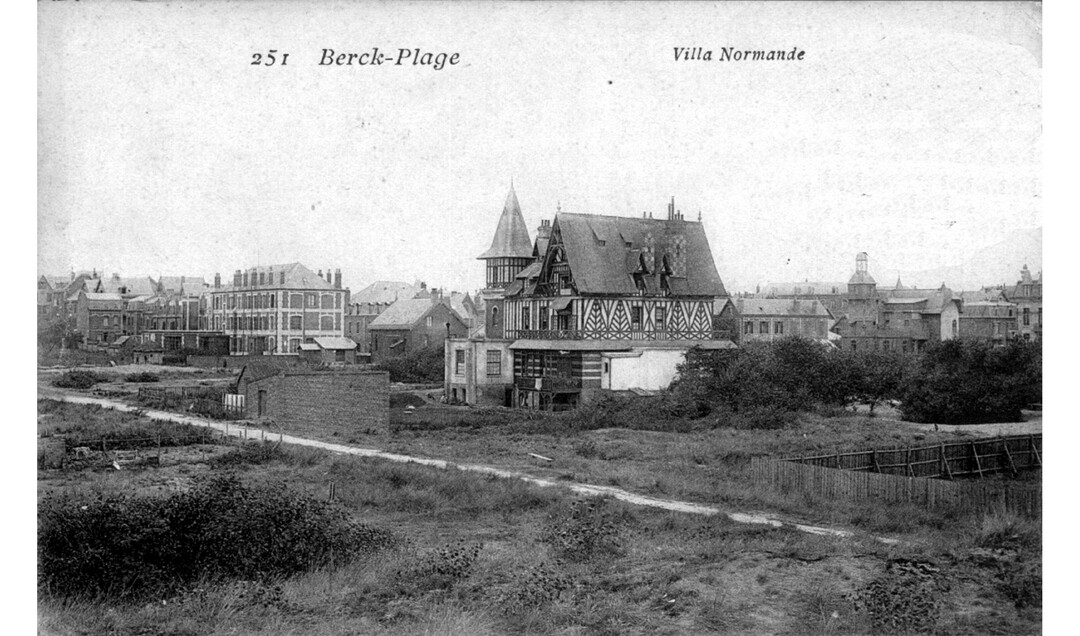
pixel 494 362
pixel 459 361
pixel 427 340
pixel 764 327
pixel 296 322
pixel 525 317
pixel 954 328
pixel 748 327
pixel 311 300
pixel 339 355
pixel 544 318
pixel 635 318
pixel 778 327
pixel 494 316
pixel 661 318
pixel 1027 316
pixel 428 321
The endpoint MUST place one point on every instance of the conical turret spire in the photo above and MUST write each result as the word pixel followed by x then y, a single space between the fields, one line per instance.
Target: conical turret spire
pixel 511 236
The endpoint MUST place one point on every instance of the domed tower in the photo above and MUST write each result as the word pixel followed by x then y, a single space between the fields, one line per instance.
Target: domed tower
pixel 862 284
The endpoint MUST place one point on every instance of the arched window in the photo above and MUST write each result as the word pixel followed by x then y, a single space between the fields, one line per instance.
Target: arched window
pixel 954 328
pixel 494 317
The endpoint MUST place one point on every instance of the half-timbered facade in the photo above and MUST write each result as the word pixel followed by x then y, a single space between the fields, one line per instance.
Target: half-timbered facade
pixel 614 303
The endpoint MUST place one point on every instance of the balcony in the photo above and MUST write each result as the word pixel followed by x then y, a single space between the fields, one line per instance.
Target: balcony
pixel 576 334
pixel 551 384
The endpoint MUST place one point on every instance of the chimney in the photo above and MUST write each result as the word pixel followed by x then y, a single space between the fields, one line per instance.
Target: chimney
pixel 337 279
pixel 320 273
pixel 217 280
pixel 544 231
pixel 671 209
pixel 236 278
pixel 245 279
pixel 282 278
pixel 423 285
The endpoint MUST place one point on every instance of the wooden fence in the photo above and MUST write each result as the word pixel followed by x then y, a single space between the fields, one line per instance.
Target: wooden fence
pixel 958 459
pixel 864 484
pixel 202 400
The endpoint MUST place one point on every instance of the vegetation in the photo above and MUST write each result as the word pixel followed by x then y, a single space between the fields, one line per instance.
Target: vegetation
pixel 58 332
pixel 476 554
pixel 962 382
pixel 223 529
pixel 78 379
pixel 420 367
pixel 144 376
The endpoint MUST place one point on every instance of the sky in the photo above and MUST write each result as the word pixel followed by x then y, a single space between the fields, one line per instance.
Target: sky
pixel 911 131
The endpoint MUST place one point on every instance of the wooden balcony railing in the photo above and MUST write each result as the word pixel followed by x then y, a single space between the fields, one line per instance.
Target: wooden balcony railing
pixel 577 334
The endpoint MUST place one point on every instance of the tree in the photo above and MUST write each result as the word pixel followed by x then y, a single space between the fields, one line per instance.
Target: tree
pixel 873 377
pixel 963 382
pixel 58 332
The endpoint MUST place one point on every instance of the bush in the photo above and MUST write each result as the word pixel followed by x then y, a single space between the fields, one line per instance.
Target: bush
pixel 792 374
pixel 144 376
pixel 78 380
pixel 423 366
pixel 964 382
pixel 137 547
pixel 586 530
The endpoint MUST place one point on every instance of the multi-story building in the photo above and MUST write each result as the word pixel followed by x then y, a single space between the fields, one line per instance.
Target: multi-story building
pixel 611 303
pixel 770 319
pixel 366 305
pixel 274 309
pixel 988 320
pixel 900 319
pixel 1026 294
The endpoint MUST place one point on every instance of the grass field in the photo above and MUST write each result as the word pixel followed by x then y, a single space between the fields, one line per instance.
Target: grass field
pixel 484 555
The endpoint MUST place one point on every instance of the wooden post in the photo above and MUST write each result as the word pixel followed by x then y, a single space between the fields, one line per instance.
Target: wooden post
pixel 873 458
pixel 1035 450
pixel 838 460
pixel 907 460
pixel 945 463
pixel 978 464
pixel 1008 455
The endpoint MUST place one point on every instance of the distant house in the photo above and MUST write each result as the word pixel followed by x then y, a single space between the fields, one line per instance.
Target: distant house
pixel 100 317
pixel 1026 294
pixel 366 305
pixel 329 351
pixel 769 319
pixel 413 324
pixel 991 321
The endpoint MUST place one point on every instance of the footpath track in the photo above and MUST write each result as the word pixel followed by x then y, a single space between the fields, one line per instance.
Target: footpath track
pixel 243 430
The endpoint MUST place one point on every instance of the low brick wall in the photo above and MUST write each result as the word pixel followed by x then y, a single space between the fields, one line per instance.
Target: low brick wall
pixel 351 399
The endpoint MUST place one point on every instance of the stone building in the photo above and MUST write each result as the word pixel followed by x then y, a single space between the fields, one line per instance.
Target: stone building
pixel 1026 294
pixel 770 319
pixel 274 309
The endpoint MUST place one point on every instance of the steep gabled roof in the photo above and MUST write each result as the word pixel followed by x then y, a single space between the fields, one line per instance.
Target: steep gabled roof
pixel 131 286
pixel 403 314
pixel 383 292
pixel 604 251
pixel 511 237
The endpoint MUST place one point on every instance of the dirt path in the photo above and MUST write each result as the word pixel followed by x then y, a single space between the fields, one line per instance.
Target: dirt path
pixel 241 430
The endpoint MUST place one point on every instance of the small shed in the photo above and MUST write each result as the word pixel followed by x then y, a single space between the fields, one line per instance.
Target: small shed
pixel 329 350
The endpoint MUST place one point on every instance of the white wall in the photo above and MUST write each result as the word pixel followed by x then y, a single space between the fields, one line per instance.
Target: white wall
pixel 654 369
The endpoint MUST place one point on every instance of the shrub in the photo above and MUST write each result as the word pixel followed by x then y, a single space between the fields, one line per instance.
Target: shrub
pixel 963 382
pixel 438 569
pixel 144 376
pixel 422 366
pixel 542 584
pixel 135 547
pixel 78 379
pixel 585 530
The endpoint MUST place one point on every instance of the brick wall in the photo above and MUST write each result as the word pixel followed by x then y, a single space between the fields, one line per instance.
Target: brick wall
pixel 336 398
